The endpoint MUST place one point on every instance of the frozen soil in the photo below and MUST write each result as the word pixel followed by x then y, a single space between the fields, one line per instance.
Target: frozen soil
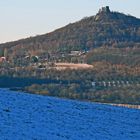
pixel 26 116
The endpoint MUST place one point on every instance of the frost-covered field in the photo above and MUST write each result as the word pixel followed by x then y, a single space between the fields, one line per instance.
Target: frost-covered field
pixel 33 117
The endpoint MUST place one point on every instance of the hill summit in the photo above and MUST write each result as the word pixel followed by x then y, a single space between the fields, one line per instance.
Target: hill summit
pixel 105 29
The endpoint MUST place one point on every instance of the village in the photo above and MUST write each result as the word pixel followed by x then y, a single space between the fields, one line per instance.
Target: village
pixel 59 61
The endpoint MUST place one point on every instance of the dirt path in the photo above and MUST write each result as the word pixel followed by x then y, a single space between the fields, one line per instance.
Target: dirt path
pixel 61 66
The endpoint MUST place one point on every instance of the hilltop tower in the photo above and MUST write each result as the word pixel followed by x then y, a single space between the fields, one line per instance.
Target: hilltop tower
pixel 104 9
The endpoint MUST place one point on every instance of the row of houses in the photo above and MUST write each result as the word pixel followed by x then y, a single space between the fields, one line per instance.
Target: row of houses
pixel 114 83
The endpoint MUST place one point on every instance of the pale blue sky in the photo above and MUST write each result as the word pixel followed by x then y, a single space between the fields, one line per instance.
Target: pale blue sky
pixel 24 18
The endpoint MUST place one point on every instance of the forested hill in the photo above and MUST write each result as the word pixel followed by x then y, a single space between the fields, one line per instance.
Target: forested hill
pixel 106 28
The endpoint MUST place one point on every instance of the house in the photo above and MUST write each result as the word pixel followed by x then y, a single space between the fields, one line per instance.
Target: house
pixel 2 59
pixel 75 53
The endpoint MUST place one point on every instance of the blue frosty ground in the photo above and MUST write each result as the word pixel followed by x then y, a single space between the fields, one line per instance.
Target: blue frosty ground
pixel 33 117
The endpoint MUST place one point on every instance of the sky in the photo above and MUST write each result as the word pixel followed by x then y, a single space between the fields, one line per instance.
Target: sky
pixel 25 18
